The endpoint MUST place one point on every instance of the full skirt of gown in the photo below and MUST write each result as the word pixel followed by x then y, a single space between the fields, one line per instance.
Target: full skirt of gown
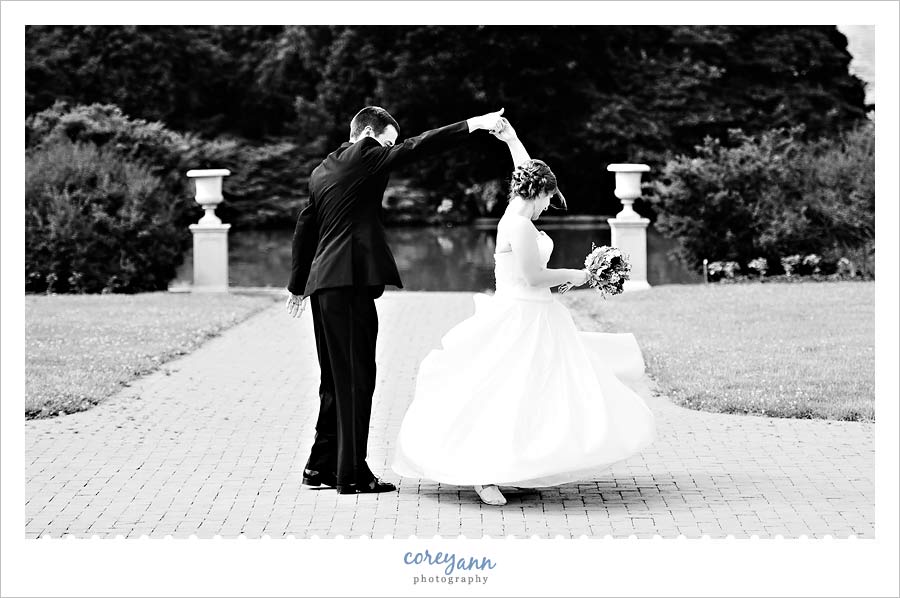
pixel 517 396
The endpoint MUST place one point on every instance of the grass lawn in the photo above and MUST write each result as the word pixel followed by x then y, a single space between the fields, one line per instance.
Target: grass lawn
pixel 803 350
pixel 80 349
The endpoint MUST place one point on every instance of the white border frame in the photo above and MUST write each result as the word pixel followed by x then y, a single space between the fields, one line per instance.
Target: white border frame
pixel 533 567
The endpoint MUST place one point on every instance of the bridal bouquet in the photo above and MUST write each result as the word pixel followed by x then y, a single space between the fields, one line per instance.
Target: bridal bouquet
pixel 607 268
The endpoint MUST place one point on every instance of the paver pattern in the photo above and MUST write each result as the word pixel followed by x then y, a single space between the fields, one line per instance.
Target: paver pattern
pixel 214 444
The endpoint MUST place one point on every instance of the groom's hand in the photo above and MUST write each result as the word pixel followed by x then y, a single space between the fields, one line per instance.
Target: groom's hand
pixel 486 122
pixel 295 305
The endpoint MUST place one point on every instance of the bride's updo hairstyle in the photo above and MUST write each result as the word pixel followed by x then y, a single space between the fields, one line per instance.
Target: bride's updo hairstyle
pixel 532 178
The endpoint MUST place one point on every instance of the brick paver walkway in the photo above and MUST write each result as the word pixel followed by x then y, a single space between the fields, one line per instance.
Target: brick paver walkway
pixel 215 443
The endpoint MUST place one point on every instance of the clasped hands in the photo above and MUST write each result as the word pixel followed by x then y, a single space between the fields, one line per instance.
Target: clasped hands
pixel 495 124
pixel 492 121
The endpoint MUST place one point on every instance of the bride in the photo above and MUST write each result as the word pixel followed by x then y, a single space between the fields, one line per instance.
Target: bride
pixel 517 396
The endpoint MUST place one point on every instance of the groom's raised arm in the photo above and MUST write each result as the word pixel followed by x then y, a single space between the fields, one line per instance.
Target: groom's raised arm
pixel 428 143
pixel 380 158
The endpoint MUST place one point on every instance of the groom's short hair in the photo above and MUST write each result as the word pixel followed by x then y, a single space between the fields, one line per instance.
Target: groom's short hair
pixel 372 116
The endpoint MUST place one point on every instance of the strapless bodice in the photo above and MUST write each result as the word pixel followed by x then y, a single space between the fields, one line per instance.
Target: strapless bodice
pixel 509 278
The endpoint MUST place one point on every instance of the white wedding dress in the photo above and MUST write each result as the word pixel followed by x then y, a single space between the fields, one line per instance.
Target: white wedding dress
pixel 517 396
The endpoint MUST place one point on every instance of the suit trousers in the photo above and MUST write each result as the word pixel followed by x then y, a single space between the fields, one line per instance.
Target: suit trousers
pixel 345 324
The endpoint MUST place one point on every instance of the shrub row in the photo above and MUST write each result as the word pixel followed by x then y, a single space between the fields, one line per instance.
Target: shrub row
pixel 772 196
pixel 795 266
pixel 108 203
pixel 95 222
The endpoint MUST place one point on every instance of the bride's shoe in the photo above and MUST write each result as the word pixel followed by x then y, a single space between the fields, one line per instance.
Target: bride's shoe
pixel 490 495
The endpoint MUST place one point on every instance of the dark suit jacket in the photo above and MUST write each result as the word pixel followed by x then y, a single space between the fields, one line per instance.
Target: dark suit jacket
pixel 339 239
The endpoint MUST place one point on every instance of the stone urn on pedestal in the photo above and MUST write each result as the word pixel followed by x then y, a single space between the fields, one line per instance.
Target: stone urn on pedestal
pixel 210 234
pixel 628 229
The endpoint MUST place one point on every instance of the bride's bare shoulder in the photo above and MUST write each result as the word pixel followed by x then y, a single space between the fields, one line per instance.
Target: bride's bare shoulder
pixel 515 222
pixel 518 231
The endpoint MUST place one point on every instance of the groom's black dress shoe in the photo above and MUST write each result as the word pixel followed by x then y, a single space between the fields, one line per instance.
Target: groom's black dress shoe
pixel 316 478
pixel 371 487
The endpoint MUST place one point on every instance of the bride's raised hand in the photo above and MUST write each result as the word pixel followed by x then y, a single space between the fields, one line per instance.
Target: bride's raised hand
pixel 505 132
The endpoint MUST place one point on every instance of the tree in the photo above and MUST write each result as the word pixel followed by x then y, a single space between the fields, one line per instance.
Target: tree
pixel 150 72
pixel 580 96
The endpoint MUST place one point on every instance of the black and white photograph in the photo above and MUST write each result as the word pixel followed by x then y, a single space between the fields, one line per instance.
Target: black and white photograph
pixel 439 289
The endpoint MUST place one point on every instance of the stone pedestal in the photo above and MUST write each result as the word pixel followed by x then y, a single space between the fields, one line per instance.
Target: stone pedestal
pixel 210 258
pixel 628 229
pixel 210 234
pixel 630 236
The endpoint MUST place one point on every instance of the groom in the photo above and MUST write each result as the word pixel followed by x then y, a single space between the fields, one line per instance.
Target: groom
pixel 341 262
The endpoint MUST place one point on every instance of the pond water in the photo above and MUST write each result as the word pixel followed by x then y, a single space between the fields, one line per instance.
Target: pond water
pixel 458 258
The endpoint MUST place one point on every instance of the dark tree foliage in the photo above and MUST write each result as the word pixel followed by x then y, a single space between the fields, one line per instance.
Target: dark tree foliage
pixel 157 73
pixel 581 97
